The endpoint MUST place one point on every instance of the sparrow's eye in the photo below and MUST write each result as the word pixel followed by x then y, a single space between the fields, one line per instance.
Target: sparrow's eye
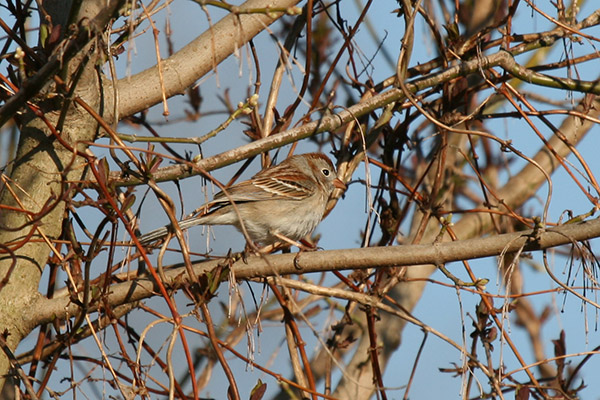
pixel 325 171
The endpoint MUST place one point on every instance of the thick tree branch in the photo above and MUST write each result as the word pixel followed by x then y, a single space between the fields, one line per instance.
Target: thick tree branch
pixel 47 310
pixel 198 58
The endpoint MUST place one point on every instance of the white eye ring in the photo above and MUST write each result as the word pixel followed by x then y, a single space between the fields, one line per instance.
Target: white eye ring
pixel 325 171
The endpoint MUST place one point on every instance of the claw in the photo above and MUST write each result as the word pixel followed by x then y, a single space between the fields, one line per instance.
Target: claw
pixel 297 261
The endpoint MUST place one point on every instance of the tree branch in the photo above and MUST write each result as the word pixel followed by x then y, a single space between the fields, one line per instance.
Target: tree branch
pixel 46 310
pixel 198 58
pixel 333 122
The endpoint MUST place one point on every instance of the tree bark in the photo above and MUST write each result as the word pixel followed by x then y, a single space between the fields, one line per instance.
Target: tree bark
pixel 40 180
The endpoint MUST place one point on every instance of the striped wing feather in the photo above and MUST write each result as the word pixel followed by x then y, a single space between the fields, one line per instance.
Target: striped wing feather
pixel 276 183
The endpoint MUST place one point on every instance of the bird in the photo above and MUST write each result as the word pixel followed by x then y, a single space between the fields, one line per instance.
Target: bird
pixel 281 203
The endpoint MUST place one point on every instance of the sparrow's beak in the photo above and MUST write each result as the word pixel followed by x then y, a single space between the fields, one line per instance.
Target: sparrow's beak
pixel 339 184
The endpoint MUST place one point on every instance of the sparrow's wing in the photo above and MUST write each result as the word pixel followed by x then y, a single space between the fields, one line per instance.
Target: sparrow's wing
pixel 276 184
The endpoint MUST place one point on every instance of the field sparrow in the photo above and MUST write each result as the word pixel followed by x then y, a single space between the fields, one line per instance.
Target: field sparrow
pixel 286 201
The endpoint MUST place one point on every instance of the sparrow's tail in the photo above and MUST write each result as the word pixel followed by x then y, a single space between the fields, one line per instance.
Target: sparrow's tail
pixel 161 233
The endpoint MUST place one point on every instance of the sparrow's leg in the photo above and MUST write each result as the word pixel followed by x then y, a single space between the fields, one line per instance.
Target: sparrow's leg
pixel 285 239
